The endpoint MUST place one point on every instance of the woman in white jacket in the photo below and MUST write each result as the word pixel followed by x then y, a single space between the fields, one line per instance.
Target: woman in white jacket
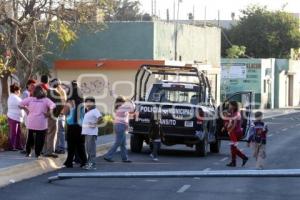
pixel 15 117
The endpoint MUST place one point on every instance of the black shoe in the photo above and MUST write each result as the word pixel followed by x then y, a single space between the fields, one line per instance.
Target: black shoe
pixel 60 152
pixel 22 152
pixel 245 160
pixel 127 161
pixel 51 155
pixel 108 160
pixel 231 164
pixel 68 165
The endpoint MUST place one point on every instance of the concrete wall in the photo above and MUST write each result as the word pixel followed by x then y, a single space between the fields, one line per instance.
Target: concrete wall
pixel 281 65
pixel 294 70
pixel 194 43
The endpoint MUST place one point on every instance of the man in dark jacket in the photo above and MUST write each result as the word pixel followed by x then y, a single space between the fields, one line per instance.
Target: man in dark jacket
pixel 51 136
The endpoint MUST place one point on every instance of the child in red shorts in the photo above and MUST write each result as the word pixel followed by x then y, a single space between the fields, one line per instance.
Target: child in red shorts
pixel 235 132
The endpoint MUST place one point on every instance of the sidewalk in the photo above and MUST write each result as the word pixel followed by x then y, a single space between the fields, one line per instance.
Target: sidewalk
pixel 15 167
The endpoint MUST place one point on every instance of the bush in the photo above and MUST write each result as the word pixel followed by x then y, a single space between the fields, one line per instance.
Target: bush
pixel 3 132
pixel 107 127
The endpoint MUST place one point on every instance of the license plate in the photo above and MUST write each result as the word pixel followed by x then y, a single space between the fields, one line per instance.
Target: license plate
pixel 188 123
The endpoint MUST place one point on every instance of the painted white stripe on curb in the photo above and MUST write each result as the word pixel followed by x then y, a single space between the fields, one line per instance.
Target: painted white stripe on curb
pixel 183 188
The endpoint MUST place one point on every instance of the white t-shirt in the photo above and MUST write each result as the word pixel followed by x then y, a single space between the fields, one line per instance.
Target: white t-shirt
pixel 14 112
pixel 89 124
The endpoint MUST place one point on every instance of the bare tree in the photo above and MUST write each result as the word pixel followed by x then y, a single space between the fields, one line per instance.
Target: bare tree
pixel 27 25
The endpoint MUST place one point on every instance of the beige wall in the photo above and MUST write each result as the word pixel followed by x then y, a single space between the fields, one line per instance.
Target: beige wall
pixel 103 85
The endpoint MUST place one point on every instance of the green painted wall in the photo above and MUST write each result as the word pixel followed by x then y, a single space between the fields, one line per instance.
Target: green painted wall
pixel 126 40
pixel 144 40
pixel 251 83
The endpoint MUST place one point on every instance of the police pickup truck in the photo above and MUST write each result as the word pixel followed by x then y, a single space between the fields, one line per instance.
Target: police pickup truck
pixel 183 105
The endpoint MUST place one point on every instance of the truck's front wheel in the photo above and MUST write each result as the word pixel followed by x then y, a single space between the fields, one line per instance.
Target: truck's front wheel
pixel 202 148
pixel 136 143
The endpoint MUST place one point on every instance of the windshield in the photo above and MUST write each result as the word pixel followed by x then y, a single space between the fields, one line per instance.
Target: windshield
pixel 170 95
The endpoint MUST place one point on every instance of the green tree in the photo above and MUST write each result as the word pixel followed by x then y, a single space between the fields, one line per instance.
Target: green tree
pixel 266 33
pixel 236 51
pixel 125 10
pixel 27 25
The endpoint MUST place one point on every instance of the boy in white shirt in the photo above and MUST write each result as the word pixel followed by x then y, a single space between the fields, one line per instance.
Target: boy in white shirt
pixel 90 123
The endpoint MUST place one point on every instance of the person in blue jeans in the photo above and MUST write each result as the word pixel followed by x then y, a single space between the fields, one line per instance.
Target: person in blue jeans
pixel 60 144
pixel 122 110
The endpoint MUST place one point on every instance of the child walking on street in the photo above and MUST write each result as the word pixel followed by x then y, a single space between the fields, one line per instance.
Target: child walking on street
pixel 90 123
pixel 154 135
pixel 235 132
pixel 122 109
pixel 258 137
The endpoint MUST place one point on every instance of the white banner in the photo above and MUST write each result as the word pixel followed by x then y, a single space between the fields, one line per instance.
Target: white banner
pixel 234 72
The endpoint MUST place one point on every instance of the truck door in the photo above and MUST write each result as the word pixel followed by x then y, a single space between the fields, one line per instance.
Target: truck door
pixel 245 100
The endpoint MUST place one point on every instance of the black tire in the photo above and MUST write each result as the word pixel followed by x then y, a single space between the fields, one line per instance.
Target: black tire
pixel 136 143
pixel 215 147
pixel 202 148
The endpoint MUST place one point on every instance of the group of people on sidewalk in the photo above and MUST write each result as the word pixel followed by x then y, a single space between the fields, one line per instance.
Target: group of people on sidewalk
pixel 40 108
pixel 45 109
pixel 48 108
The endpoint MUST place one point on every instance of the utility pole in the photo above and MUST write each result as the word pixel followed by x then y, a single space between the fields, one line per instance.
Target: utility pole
pixel 176 30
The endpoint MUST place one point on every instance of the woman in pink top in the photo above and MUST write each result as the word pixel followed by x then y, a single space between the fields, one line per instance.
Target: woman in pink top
pixel 38 109
pixel 122 109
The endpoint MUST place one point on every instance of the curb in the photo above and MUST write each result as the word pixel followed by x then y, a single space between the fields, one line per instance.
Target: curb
pixel 281 114
pixel 23 171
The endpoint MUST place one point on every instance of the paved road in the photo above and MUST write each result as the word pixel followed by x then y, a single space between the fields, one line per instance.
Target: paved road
pixel 283 152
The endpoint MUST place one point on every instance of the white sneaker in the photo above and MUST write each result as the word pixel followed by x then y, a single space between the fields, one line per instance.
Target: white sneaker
pixel 89 166
pixel 153 158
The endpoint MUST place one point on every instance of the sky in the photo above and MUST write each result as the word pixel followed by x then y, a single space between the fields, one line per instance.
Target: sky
pixel 226 7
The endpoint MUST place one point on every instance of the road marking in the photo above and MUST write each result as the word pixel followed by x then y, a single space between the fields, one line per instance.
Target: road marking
pixel 151 180
pixel 270 135
pixel 197 178
pixel 224 159
pixel 207 169
pixel 183 188
pixel 284 129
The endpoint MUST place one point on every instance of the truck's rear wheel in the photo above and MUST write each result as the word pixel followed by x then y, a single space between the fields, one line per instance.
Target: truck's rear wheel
pixel 215 147
pixel 136 143
pixel 202 148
